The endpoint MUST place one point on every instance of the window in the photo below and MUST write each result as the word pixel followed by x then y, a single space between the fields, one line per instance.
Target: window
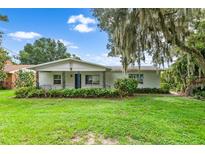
pixel 57 79
pixel 138 77
pixel 92 79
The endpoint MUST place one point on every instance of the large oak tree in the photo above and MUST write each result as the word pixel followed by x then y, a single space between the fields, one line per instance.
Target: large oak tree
pixel 136 32
pixel 185 74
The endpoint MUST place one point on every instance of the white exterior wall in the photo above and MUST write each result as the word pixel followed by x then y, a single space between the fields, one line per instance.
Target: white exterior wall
pixel 69 79
pixel 151 78
pixel 46 73
pixel 46 80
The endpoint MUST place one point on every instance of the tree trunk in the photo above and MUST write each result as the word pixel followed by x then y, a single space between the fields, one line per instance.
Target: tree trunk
pixel 193 85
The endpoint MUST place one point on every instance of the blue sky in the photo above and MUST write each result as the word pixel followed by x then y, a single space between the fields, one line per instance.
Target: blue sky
pixel 76 28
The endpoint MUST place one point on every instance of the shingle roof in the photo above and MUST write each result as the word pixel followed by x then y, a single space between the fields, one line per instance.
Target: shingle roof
pixel 13 68
pixel 134 68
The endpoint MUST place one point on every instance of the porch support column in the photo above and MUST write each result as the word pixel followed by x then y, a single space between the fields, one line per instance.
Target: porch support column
pixel 63 80
pixel 37 79
pixel 78 80
pixel 104 80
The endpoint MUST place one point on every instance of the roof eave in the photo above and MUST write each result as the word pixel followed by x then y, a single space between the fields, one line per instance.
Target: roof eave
pixel 71 59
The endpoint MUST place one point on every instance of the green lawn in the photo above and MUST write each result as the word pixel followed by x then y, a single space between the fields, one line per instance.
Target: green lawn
pixel 139 120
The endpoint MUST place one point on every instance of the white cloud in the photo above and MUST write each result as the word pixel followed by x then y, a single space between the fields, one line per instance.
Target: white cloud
pixel 83 28
pixel 81 19
pixel 73 46
pixel 68 44
pixel 20 35
pixel 82 23
pixel 102 59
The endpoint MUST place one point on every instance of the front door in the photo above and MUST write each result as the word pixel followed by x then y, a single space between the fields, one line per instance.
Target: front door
pixel 78 80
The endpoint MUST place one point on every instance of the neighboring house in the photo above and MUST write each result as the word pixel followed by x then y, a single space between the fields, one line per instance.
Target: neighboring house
pixel 11 71
pixel 72 73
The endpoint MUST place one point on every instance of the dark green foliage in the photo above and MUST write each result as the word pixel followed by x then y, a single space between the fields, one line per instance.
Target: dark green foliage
pixel 44 50
pixel 185 70
pixel 24 92
pixel 25 79
pixel 165 86
pixel 126 86
pixel 3 18
pixel 1 86
pixel 151 91
pixel 28 92
pixel 53 93
pixel 3 54
pixel 177 76
pixel 3 58
pixel 199 93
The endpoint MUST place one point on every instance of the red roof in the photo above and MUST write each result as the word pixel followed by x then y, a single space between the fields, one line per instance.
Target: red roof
pixel 13 68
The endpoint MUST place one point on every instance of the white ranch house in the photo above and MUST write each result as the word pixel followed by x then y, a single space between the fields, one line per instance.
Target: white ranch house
pixel 73 73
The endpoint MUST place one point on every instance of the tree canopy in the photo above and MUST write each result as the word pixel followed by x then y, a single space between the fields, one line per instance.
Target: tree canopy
pixel 185 74
pixel 4 19
pixel 156 32
pixel 3 53
pixel 3 58
pixel 44 50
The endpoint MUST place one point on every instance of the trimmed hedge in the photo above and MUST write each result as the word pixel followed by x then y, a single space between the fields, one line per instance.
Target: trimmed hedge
pixel 151 91
pixel 29 92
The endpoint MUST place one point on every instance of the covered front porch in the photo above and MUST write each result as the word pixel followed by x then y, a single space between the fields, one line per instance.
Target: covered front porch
pixel 70 79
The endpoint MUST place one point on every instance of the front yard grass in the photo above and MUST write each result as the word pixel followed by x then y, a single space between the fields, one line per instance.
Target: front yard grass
pixel 138 120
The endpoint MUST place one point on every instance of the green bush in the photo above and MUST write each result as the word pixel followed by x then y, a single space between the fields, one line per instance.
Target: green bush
pixel 1 86
pixel 28 92
pixel 24 92
pixel 54 93
pixel 199 93
pixel 126 86
pixel 165 86
pixel 151 91
pixel 38 93
pixel 25 79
